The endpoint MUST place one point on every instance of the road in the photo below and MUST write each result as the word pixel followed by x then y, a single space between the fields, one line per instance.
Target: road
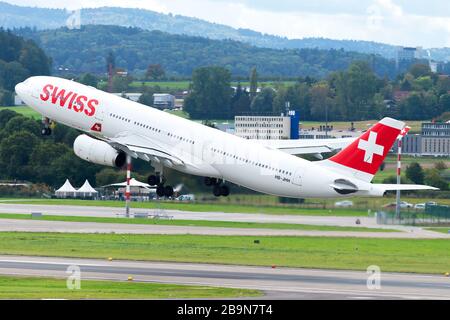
pixel 276 283
pixel 85 211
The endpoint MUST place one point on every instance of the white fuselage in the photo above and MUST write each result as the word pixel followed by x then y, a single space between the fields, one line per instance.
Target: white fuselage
pixel 209 152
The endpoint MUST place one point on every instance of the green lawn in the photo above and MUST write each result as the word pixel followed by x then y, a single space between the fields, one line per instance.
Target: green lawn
pixel 179 113
pixel 196 207
pixel 396 255
pixel 51 288
pixel 24 110
pixel 171 85
pixel 195 223
pixel 440 229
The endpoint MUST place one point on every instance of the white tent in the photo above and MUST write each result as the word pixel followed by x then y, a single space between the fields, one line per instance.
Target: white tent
pixel 133 183
pixel 86 190
pixel 67 190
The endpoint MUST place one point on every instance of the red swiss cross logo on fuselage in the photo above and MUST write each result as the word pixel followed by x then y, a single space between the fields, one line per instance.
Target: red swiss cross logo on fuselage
pixel 97 127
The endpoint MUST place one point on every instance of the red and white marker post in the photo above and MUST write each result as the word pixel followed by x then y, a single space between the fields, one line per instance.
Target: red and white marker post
pixel 403 133
pixel 128 188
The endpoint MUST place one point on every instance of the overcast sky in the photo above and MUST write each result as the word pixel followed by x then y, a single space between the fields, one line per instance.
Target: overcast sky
pixel 404 22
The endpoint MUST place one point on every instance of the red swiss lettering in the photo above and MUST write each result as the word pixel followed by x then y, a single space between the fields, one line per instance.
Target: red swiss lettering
pixel 92 104
pixel 70 99
pixel 79 105
pixel 46 93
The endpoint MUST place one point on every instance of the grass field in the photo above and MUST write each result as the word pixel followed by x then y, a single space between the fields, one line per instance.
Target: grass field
pixel 24 110
pixel 441 229
pixel 171 85
pixel 396 255
pixel 195 223
pixel 51 288
pixel 179 113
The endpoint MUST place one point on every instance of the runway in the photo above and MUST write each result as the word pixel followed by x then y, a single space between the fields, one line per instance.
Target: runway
pixel 12 225
pixel 276 283
pixel 88 211
pixel 44 226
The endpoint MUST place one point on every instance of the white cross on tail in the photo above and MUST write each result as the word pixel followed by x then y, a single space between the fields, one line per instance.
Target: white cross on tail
pixel 370 147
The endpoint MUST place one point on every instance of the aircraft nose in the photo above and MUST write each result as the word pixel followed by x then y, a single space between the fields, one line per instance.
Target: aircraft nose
pixel 20 88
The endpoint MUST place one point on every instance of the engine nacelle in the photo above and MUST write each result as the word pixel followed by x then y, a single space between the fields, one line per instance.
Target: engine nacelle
pixel 99 152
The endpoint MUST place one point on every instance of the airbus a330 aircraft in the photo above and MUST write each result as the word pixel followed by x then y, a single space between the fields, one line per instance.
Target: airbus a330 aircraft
pixel 115 127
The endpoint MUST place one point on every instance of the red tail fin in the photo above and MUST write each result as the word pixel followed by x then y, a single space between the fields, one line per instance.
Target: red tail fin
pixel 367 152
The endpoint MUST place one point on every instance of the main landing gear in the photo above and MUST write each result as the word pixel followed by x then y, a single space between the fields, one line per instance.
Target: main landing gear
pixel 161 189
pixel 219 189
pixel 46 129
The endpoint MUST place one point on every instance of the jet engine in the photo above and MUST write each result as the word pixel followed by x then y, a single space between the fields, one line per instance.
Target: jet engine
pixel 99 152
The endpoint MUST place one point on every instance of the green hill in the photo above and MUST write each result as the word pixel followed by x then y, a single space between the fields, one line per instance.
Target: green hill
pixel 12 16
pixel 85 50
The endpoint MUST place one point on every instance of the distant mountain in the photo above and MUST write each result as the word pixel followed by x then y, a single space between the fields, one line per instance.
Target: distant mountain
pixel 85 49
pixel 12 16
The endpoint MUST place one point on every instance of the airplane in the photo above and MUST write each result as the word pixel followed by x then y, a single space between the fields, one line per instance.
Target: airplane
pixel 115 129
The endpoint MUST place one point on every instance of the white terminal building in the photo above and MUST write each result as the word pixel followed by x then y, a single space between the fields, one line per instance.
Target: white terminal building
pixel 267 127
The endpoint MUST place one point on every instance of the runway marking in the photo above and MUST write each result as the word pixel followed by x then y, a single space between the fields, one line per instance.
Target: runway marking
pixel 255 287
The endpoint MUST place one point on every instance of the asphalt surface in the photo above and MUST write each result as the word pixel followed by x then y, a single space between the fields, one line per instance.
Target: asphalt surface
pixel 12 225
pixel 86 227
pixel 276 283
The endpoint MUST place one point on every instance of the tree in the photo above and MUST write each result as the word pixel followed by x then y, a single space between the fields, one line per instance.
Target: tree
pixel 444 102
pixel 263 102
pixel 5 116
pixel 109 176
pixel 433 178
pixel 440 166
pixel 34 60
pixel 155 72
pixel 211 94
pixel 253 83
pixel 420 70
pixel 15 152
pixel 240 102
pixel 120 83
pixel 147 96
pixel 21 123
pixel 41 159
pixel 321 102
pixel 89 80
pixel 11 73
pixel 414 172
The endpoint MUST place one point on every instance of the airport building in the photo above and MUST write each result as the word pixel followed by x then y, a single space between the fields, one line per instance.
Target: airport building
pixel 433 141
pixel 268 127
pixel 163 101
pixel 407 53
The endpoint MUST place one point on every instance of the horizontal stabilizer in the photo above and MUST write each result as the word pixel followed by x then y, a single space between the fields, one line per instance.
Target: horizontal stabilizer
pixel 393 187
pixel 380 189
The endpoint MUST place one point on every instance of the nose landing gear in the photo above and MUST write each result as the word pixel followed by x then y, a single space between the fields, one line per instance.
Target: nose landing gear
pixel 46 129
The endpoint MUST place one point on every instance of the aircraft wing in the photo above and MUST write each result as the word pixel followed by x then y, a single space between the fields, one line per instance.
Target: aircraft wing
pixel 145 148
pixel 307 146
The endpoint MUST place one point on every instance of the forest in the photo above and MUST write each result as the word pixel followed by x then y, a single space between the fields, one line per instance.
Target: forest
pixel 83 50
